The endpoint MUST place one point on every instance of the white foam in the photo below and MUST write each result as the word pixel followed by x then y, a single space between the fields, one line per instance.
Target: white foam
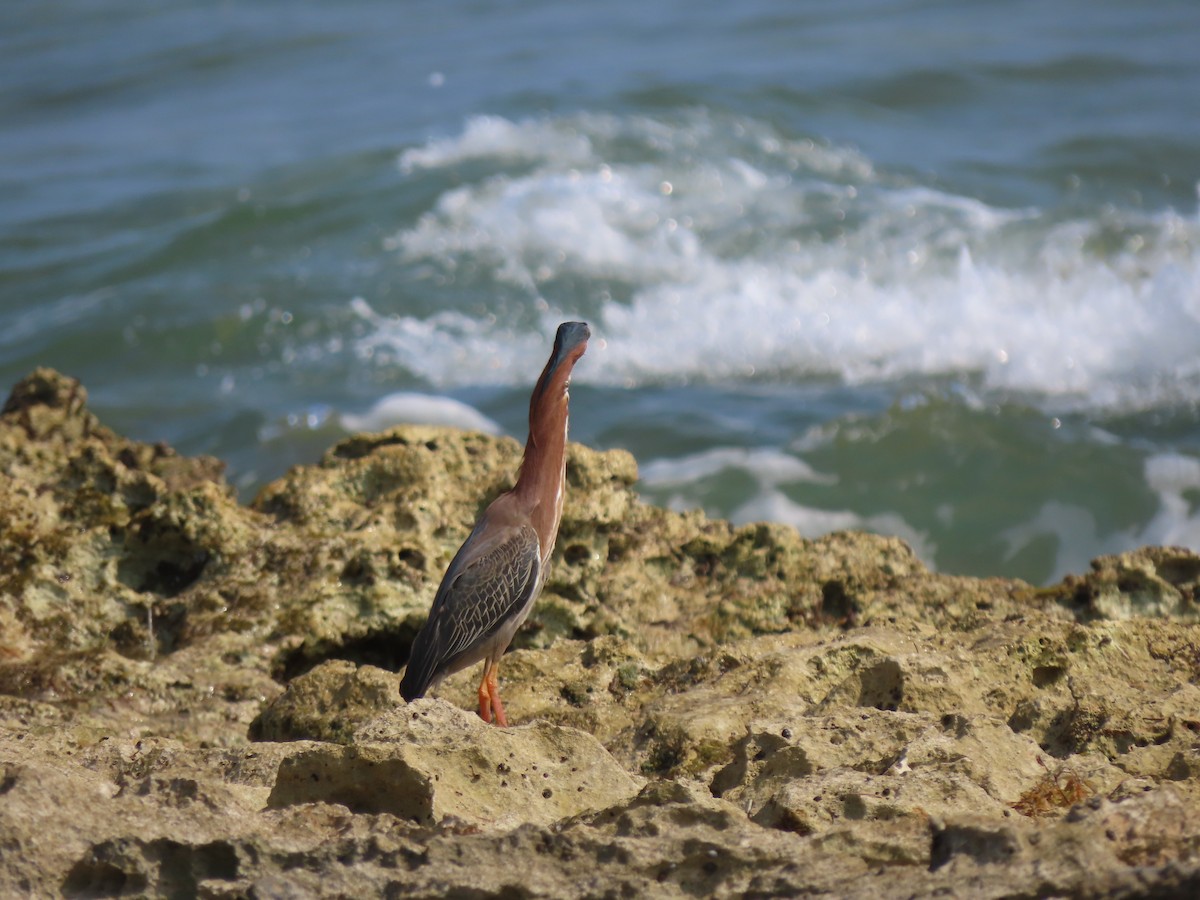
pixel 810 522
pixel 735 251
pixel 494 136
pixel 450 348
pixel 1176 523
pixel 421 409
pixel 770 469
pixel 1077 537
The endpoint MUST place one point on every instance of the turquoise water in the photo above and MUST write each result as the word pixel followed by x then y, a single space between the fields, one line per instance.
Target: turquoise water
pixel 928 269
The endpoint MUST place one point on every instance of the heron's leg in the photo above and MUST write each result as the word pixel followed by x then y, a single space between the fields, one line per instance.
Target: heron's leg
pixel 493 686
pixel 485 697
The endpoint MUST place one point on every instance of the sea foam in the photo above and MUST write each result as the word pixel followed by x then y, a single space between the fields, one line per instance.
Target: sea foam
pixel 713 249
pixel 422 409
pixel 1171 476
pixel 770 470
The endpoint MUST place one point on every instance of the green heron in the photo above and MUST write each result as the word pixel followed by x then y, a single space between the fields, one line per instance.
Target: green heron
pixel 498 572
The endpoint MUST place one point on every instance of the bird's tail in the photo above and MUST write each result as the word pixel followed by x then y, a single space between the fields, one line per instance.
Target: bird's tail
pixel 412 687
pixel 419 673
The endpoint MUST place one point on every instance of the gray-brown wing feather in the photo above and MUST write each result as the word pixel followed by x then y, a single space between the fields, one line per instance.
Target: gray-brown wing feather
pixel 477 597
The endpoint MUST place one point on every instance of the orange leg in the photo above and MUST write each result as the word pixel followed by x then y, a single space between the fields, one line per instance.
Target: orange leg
pixel 489 696
pixel 485 697
pixel 494 690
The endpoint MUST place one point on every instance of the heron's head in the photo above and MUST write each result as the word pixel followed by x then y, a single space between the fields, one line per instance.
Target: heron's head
pixel 569 344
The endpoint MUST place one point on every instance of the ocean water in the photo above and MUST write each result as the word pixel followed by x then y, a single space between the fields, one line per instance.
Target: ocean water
pixel 929 269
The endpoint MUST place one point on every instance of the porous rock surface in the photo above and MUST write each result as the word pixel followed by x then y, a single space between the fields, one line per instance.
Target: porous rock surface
pixel 200 698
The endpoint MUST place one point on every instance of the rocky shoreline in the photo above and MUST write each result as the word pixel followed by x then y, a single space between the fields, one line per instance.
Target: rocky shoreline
pixel 199 698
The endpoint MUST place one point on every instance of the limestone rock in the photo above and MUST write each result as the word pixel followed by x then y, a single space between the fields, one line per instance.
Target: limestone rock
pixel 327 703
pixel 429 761
pixel 198 698
pixel 1157 581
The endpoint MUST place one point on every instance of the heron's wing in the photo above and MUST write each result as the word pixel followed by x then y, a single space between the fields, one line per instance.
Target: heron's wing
pixel 492 578
pixel 475 601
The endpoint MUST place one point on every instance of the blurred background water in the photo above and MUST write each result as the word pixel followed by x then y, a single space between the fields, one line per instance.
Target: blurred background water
pixel 926 268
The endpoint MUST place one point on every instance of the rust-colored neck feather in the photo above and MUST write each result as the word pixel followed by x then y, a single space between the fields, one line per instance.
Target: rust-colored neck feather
pixel 540 487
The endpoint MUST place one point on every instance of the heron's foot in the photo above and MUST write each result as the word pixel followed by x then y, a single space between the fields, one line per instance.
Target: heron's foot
pixel 490 706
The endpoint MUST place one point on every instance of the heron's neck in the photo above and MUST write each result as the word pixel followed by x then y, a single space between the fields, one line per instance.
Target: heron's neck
pixel 540 484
